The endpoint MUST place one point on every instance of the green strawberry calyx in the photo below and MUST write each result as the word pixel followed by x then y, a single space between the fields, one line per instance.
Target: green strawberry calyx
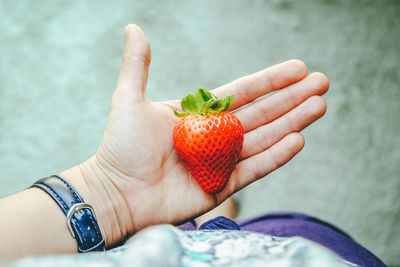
pixel 203 103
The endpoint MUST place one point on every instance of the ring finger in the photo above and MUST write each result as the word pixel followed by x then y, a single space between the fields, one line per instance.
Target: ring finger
pixel 260 139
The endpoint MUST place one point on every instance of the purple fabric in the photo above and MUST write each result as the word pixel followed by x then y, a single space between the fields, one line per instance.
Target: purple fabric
pixel 188 226
pixel 288 224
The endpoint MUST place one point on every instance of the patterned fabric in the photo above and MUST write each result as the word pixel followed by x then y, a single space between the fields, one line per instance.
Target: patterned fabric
pixel 166 245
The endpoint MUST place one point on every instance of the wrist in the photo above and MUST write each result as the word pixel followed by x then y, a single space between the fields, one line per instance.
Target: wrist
pixel 96 189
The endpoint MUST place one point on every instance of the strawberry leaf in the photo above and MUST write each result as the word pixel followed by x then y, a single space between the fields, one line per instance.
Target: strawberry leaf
pixel 203 103
pixel 179 114
pixel 189 104
pixel 215 105
pixel 219 105
pixel 205 107
pixel 203 95
pixel 226 102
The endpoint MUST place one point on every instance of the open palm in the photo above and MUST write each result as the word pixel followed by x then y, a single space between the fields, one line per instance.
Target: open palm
pixel 137 153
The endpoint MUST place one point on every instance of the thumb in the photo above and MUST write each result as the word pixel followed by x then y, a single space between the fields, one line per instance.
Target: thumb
pixel 132 79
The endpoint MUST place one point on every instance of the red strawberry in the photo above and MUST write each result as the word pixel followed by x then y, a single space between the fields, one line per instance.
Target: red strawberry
pixel 208 139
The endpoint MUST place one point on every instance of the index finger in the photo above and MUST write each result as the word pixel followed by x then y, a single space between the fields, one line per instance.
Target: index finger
pixel 253 86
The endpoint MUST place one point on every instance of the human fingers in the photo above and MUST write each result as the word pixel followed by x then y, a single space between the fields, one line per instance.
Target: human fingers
pixel 259 165
pixel 251 87
pixel 135 66
pixel 296 120
pixel 268 109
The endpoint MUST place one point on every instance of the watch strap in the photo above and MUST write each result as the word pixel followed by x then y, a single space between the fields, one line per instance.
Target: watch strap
pixel 80 216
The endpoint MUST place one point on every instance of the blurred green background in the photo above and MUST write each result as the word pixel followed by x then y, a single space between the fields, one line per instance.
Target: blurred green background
pixel 59 62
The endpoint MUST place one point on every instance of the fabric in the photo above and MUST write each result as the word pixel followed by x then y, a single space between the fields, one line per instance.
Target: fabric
pixel 166 245
pixel 290 224
pixel 220 223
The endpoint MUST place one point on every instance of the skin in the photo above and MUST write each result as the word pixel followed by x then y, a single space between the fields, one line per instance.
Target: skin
pixel 136 178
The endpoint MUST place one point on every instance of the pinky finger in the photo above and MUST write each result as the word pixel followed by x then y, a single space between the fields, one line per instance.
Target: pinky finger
pixel 259 165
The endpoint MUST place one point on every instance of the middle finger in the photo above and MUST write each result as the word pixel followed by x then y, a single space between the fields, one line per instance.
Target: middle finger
pixel 270 108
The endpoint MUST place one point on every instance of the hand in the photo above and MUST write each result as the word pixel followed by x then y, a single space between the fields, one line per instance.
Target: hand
pixel 137 169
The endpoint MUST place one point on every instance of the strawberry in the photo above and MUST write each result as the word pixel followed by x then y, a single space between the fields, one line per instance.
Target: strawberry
pixel 208 139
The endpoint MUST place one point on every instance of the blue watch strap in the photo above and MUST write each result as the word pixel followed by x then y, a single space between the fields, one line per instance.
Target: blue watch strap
pixel 81 220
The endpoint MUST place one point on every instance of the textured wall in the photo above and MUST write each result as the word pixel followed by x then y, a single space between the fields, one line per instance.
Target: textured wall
pixel 59 62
